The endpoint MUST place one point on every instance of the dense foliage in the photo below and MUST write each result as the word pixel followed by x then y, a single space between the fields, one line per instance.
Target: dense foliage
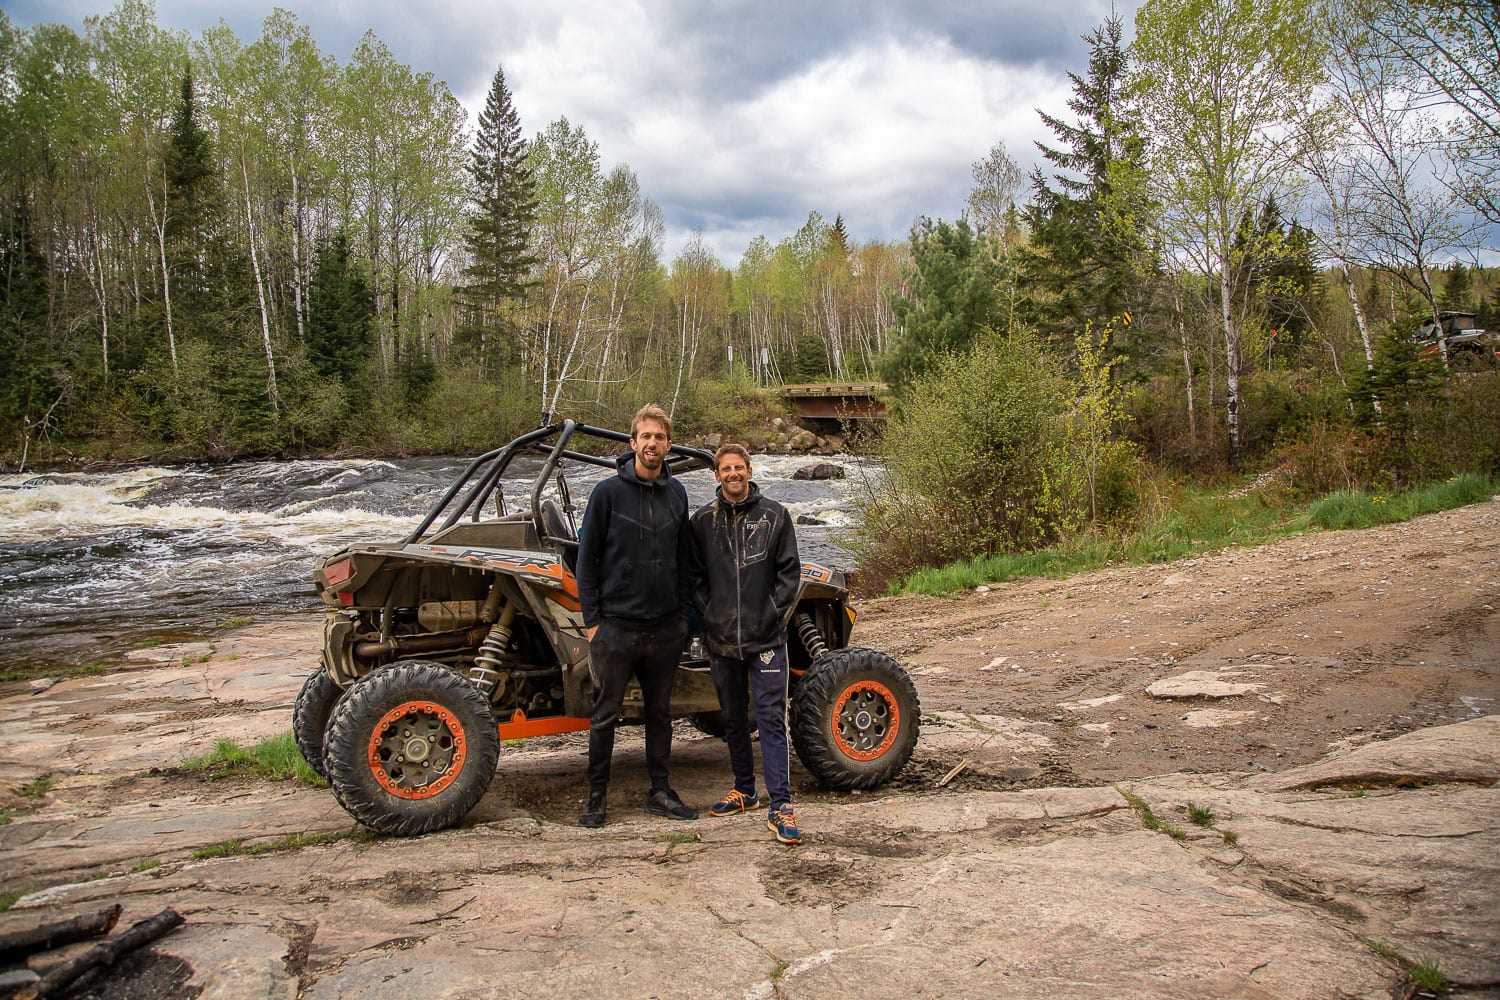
pixel 214 248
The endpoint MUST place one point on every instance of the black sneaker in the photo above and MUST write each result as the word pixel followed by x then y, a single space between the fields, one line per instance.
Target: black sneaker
pixel 664 802
pixel 593 811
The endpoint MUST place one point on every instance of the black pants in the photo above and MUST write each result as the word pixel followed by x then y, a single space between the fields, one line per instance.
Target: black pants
pixel 617 652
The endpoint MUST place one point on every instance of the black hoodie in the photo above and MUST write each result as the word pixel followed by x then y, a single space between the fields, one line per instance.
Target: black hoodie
pixel 633 549
pixel 745 573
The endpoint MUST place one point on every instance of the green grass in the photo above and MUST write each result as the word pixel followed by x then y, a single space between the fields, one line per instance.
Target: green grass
pixel 53 670
pixel 277 759
pixel 1200 521
pixel 188 661
pixel 1231 838
pixel 1363 510
pixel 238 621
pixel 291 842
pixel 222 849
pixel 8 899
pixel 1428 976
pixel 37 787
pixel 32 791
pixel 1200 815
pixel 1148 818
pixel 1379 947
pixel 147 865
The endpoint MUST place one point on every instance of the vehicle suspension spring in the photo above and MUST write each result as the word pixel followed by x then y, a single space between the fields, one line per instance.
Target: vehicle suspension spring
pixel 485 673
pixel 812 639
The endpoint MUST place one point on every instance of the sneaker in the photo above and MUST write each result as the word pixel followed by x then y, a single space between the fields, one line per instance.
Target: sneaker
pixel 735 802
pixel 783 823
pixel 593 811
pixel 664 802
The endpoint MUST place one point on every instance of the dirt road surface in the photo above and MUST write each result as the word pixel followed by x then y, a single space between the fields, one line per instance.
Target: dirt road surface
pixel 1261 772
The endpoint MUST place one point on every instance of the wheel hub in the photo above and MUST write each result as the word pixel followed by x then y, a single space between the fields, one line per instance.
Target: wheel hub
pixel 866 719
pixel 416 750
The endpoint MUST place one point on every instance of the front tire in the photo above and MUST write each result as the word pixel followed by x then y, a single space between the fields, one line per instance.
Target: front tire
pixel 857 716
pixel 411 748
pixel 310 717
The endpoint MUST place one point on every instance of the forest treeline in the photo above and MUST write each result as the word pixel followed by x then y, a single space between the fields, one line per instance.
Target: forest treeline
pixel 214 247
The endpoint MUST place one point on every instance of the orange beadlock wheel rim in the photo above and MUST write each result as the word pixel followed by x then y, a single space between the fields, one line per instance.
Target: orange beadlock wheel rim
pixel 866 719
pixel 416 750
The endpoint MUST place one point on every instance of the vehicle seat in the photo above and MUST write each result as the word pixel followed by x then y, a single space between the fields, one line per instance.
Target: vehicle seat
pixel 556 527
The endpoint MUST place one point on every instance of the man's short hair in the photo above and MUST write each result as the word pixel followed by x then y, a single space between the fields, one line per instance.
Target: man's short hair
pixel 731 449
pixel 652 412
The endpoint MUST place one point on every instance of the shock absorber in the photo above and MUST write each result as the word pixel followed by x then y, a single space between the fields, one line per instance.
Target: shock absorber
pixel 486 670
pixel 812 639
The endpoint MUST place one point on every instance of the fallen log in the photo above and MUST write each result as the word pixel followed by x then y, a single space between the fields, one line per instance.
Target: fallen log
pixel 16 945
pixel 107 953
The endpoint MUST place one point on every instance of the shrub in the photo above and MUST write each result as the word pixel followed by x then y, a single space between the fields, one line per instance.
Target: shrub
pixel 977 462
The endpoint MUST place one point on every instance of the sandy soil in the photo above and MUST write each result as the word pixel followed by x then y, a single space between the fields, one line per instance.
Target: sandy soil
pixel 1335 637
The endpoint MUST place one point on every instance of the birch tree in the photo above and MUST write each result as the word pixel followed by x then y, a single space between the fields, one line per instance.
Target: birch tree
pixel 1215 85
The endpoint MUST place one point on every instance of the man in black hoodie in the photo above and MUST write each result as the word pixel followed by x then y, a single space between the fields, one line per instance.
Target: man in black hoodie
pixel 745 576
pixel 632 556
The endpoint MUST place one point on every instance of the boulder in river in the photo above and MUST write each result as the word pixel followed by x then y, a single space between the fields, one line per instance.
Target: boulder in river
pixel 820 470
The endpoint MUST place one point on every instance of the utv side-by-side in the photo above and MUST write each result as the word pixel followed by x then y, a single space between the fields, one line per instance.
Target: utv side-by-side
pixel 468 632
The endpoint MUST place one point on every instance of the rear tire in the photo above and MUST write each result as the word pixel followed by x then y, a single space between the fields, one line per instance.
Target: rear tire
pixel 411 748
pixel 310 717
pixel 857 716
pixel 712 723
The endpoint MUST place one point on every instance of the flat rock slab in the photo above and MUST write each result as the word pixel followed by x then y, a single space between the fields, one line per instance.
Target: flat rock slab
pixel 1057 892
pixel 1200 684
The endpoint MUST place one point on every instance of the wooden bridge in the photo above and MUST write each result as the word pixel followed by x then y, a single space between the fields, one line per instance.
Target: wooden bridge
pixel 841 402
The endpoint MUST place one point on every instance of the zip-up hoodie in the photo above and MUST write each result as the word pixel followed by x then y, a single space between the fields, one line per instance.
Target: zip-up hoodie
pixel 633 549
pixel 745 573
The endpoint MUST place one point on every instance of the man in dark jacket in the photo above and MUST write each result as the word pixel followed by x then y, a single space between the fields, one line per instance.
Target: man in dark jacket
pixel 745 578
pixel 633 549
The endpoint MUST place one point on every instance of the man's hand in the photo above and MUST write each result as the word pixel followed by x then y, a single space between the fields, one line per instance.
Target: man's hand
pixel 588 633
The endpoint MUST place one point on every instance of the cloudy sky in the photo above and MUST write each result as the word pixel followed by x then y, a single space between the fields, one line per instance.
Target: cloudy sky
pixel 739 119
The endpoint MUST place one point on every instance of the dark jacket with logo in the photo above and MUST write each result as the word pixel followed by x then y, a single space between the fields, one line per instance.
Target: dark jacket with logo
pixel 633 549
pixel 745 573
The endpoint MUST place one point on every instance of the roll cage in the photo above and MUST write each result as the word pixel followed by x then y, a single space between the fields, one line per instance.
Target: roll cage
pixel 473 489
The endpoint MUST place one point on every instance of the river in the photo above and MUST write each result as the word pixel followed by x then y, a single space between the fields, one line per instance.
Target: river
pixel 92 564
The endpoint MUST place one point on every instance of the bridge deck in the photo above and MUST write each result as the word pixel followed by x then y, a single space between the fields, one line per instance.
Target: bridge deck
pixel 840 401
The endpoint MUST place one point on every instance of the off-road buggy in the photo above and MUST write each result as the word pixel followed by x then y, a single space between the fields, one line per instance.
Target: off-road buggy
pixel 468 632
pixel 1468 347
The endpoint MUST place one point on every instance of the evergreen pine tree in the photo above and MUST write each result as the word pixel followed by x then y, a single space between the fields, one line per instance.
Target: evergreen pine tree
pixel 499 225
pixel 340 312
pixel 28 383
pixel 839 235
pixel 1082 264
pixel 191 201
pixel 1457 289
pixel 954 298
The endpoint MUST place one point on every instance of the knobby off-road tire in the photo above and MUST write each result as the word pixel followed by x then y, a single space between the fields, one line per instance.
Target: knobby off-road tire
pixel 856 719
pixel 310 717
pixel 411 748
pixel 712 723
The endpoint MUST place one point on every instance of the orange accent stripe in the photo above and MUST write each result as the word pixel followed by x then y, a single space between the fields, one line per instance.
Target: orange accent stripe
pixel 519 727
pixel 569 602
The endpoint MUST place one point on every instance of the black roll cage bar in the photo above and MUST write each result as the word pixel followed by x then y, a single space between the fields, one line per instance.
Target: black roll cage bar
pixel 481 479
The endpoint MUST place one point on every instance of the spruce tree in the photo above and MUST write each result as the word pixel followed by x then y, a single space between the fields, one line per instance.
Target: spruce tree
pixel 340 312
pixel 499 225
pixel 191 199
pixel 1083 263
